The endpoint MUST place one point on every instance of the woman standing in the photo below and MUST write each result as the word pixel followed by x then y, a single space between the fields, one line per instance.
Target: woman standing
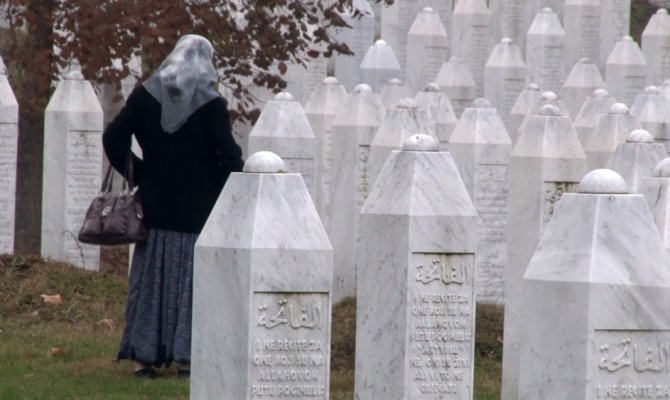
pixel 181 123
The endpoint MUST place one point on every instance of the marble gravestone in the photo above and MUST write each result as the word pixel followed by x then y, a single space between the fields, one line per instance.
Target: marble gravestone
pixel 481 149
pixel 283 128
pixel 581 19
pixel 636 158
pixel 547 161
pixel 302 80
pixel 456 81
pixel 583 79
pixel 379 66
pixel 354 127
pixel 399 124
pixel 505 76
pixel 320 110
pixel 600 272
pixel 547 98
pixel 262 281
pixel 507 20
pixel 427 49
pixel 665 89
pixel 625 71
pixel 359 38
pixel 611 130
pixel 440 111
pixel 652 111
pixel 470 36
pixel 614 24
pixel 530 10
pixel 416 299
pixel 655 190
pixel 72 170
pixel 393 92
pixel 656 47
pixel 9 136
pixel 545 51
pixel 522 106
pixel 597 104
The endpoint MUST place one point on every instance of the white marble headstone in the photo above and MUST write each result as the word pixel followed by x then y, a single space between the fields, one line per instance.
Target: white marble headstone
pixel 507 20
pixel 9 136
pixel 652 111
pixel 656 191
pixel 611 130
pixel 302 80
pixel 656 47
pixel 583 79
pixel 505 76
pixel 262 281
pixel 415 296
pixel 283 128
pixel 354 127
pixel 547 98
pixel 545 51
pixel 359 38
pixel 456 81
pixel 379 66
pixel 547 161
pixel 625 71
pixel 522 106
pixel 597 104
pixel 581 19
pixel 597 290
pixel 481 149
pixel 428 48
pixel 470 37
pixel 440 111
pixel 393 92
pixel 614 24
pixel 72 170
pixel 636 158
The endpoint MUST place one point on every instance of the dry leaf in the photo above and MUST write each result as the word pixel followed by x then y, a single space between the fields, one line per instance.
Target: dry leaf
pixel 51 299
pixel 35 314
pixel 107 323
pixel 58 352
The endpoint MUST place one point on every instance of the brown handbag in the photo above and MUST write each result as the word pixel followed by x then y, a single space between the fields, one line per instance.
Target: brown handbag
pixel 114 218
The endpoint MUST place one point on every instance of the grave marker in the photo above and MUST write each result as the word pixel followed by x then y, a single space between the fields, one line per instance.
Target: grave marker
pixel 545 51
pixel 9 136
pixel 637 158
pixel 456 81
pixel 583 79
pixel 427 49
pixel 523 105
pixel 470 36
pixel 359 38
pixel 594 107
pixel 505 76
pixel 379 66
pixel 581 19
pixel 652 111
pixel 625 71
pixel 440 111
pixel 611 130
pixel 393 92
pixel 614 24
pixel 655 190
pixel 656 47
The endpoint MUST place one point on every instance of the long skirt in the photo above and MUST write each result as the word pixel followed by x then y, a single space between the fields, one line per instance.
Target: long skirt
pixel 160 298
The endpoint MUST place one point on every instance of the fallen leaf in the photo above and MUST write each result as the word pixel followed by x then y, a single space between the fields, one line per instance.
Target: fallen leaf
pixel 51 299
pixel 107 323
pixel 35 314
pixel 58 352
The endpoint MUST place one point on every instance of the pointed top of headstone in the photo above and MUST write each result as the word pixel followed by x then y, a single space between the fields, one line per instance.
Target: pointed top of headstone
pixel 394 82
pixel 74 75
pixel 619 108
pixel 627 52
pixel 284 96
pixel 602 181
pixel 640 136
pixel 533 86
pixel 393 92
pixel 662 169
pixel 506 54
pixel 421 142
pixel 380 56
pixel 408 103
pixel 265 162
pixel 546 22
pixel 481 103
pixel 652 90
pixel 662 11
pixel 331 81
pixel 362 88
pixel 600 93
pixel 549 96
pixel 585 74
pixel 428 23
pixel 455 73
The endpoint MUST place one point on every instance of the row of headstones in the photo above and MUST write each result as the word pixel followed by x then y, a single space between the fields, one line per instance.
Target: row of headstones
pixel 263 278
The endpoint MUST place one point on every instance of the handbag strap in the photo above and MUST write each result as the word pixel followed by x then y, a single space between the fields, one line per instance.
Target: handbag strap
pixel 129 170
pixel 107 182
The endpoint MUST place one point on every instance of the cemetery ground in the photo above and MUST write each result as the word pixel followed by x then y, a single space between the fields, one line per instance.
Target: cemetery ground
pixel 60 327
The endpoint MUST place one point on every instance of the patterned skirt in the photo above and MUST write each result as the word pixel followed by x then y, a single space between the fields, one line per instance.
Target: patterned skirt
pixel 160 298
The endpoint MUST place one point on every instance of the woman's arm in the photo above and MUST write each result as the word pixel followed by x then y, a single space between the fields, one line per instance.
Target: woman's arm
pixel 229 152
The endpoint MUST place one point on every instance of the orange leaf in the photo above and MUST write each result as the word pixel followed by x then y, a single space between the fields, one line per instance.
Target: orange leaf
pixel 51 299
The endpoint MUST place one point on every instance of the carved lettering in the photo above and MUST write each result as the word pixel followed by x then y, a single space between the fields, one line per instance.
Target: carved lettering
pixel 8 153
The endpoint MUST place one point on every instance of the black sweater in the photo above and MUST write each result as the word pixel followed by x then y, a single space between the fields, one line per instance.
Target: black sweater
pixel 181 174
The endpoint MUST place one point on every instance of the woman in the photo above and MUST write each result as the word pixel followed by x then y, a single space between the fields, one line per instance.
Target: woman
pixel 181 123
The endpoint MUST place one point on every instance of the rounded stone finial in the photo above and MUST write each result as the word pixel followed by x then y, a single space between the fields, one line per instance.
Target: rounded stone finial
pixel 407 102
pixel 550 110
pixel 265 162
pixel 428 10
pixel 394 82
pixel 380 42
pixel 534 87
pixel 432 87
pixel 481 103
pixel 362 88
pixel 619 108
pixel 626 38
pixel 421 142
pixel 652 90
pixel 506 40
pixel 549 96
pixel 600 92
pixel 74 75
pixel 331 81
pixel 662 11
pixel 454 59
pixel 585 60
pixel 284 96
pixel 547 10
pixel 662 169
pixel 640 136
pixel 602 181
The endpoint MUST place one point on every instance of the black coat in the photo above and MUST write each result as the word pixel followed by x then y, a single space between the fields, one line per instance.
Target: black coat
pixel 181 174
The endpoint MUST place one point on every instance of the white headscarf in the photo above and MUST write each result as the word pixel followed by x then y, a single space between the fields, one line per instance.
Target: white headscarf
pixel 184 82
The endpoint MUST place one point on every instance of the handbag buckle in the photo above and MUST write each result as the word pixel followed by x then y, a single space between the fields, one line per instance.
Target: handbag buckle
pixel 106 211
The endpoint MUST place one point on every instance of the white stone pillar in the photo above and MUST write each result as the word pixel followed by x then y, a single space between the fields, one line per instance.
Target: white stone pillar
pixel 614 24
pixel 359 38
pixel 652 111
pixel 546 162
pixel 456 81
pixel 354 127
pixel 393 92
pixel 9 136
pixel 611 130
pixel 283 128
pixel 427 49
pixel 584 78
pixel 507 20
pixel 302 80
pixel 545 51
pixel 470 36
pixel 522 106
pixel 545 99
pixel 505 76
pixel 440 111
pixel 581 20
pixel 597 104
pixel 656 47
pixel 625 71
pixel 597 289
pixel 72 171
pixel 261 290
pixel 481 149
pixel 418 240
pixel 656 191
pixel 637 158
pixel 379 66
